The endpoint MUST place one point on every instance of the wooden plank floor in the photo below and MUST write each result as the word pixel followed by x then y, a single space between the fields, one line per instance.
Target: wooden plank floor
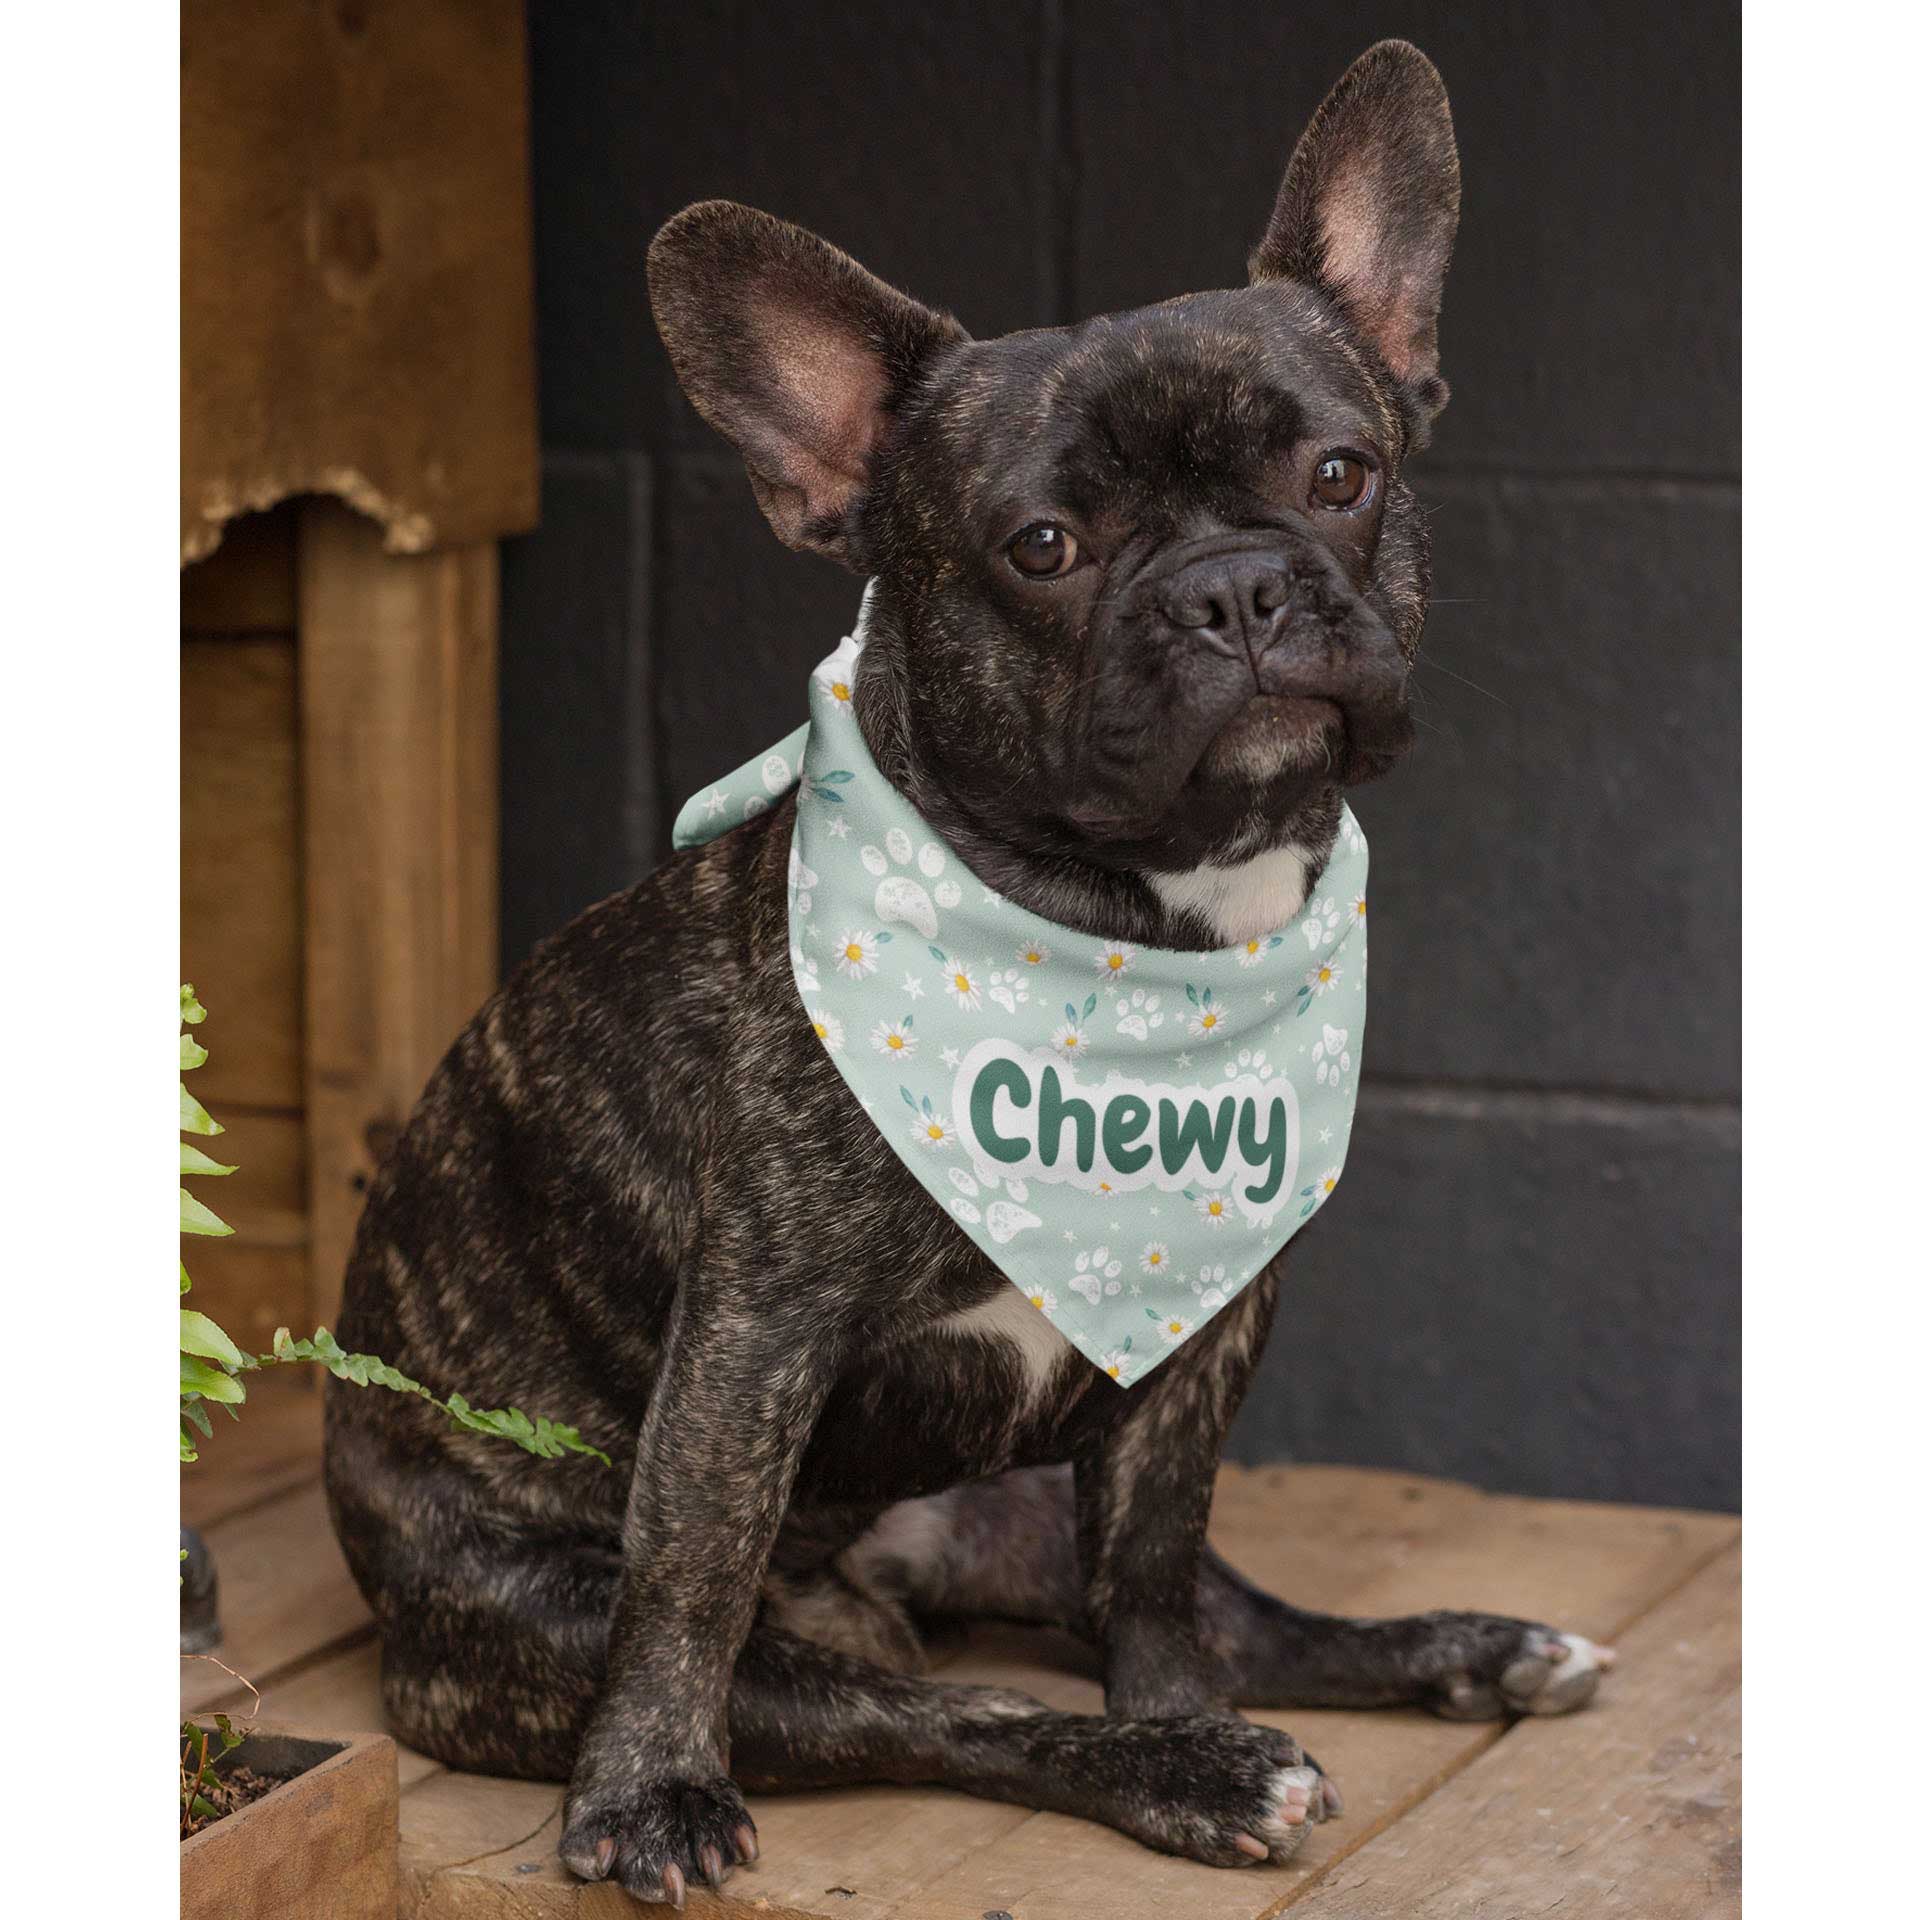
pixel 1631 1808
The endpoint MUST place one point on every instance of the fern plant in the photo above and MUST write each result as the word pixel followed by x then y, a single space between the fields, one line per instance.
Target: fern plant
pixel 211 1364
pixel 211 1370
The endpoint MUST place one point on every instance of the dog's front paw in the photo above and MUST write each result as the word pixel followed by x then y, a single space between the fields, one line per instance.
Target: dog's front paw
pixel 1218 1789
pixel 1511 1666
pixel 658 1837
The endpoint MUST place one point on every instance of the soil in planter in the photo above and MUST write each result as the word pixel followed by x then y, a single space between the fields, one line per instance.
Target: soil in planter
pixel 235 1788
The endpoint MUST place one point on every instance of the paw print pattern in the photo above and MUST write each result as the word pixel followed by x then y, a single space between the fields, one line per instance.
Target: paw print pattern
pixel 1249 1064
pixel 900 898
pixel 1008 988
pixel 1138 1013
pixel 1321 922
pixel 1005 1219
pixel 1331 1060
pixel 801 881
pixel 1095 1274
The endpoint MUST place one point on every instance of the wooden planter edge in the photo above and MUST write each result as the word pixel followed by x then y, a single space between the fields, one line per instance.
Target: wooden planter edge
pixel 323 1845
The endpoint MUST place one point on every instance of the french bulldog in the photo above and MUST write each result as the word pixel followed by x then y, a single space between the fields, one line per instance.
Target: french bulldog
pixel 1145 598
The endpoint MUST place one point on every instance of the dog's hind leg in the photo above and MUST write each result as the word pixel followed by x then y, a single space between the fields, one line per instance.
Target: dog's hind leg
pixel 493 1661
pixel 1005 1549
pixel 499 1667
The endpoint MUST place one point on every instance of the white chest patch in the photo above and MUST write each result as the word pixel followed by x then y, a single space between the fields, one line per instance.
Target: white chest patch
pixel 1008 1316
pixel 1240 902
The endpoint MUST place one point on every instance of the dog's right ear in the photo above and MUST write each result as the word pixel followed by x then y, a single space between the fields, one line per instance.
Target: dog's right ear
pixel 792 350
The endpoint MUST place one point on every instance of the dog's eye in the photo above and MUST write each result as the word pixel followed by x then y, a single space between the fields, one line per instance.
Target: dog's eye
pixel 1342 481
pixel 1043 551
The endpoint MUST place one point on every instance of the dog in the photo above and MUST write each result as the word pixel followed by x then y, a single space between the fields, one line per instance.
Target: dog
pixel 1145 599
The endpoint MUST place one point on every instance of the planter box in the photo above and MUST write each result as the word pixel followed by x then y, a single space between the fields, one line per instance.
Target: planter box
pixel 323 1845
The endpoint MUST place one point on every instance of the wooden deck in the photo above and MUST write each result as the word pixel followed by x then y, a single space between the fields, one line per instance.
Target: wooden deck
pixel 1631 1808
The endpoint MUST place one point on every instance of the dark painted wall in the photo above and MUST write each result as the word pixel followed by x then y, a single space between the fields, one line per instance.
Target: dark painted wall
pixel 1531 1279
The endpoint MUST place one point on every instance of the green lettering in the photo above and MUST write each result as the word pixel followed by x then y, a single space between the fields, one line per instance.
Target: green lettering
pixel 1211 1133
pixel 1124 1121
pixel 994 1077
pixel 1273 1150
pixel 1055 1112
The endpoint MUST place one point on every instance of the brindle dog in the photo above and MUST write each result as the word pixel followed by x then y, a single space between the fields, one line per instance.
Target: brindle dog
pixel 1147 592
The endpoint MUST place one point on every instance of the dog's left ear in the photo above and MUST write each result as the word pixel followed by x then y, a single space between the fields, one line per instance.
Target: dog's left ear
pixel 1368 210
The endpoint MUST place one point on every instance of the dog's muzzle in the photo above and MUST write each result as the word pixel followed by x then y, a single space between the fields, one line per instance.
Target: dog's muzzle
pixel 1201 635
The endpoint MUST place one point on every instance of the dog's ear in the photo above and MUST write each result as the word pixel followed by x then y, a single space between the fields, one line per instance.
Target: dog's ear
pixel 1368 209
pixel 794 351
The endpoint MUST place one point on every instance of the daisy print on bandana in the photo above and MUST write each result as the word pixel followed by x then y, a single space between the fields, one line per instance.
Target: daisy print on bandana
pixel 1130 1149
pixel 1070 1036
pixel 895 1037
pixel 857 953
pixel 960 980
pixel 1206 1020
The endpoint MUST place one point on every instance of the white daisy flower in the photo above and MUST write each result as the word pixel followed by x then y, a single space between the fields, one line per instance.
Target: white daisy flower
pixel 895 1037
pixel 1036 953
pixel 1068 1040
pixel 1325 1185
pixel 1252 953
pixel 1208 1019
pixel 1212 1208
pixel 961 981
pixel 1118 1362
pixel 932 1130
pixel 1154 1257
pixel 856 954
pixel 1324 978
pixel 828 1031
pixel 1357 906
pixel 837 670
pixel 1175 1328
pixel 1044 1299
pixel 1113 961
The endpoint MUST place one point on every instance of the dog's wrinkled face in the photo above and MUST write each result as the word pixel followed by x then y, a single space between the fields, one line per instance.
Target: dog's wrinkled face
pixel 1147 586
pixel 1167 606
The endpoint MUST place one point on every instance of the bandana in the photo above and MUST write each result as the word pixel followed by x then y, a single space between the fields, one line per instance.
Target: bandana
pixel 1129 1134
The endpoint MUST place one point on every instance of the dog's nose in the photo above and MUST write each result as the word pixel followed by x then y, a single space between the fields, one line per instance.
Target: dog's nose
pixel 1235 599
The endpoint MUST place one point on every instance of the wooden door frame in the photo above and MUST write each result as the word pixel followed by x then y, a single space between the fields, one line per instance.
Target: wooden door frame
pixel 399 739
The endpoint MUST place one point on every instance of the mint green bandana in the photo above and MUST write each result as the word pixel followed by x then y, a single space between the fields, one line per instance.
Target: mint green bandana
pixel 1129 1134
